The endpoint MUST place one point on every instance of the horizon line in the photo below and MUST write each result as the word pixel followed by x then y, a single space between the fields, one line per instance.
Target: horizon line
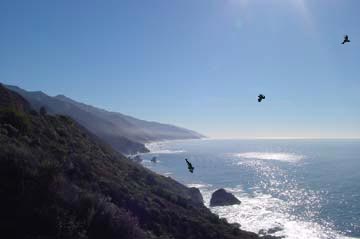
pixel 269 138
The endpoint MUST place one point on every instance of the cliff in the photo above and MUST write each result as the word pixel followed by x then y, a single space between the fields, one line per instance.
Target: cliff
pixel 57 180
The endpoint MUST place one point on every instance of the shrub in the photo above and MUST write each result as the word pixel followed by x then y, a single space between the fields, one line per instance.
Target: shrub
pixel 16 118
pixel 66 119
pixel 113 222
pixel 34 112
pixel 43 110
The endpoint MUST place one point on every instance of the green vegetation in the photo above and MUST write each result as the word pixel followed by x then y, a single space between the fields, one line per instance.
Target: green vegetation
pixel 16 118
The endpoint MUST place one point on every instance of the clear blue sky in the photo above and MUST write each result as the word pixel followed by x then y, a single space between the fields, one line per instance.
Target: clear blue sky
pixel 199 64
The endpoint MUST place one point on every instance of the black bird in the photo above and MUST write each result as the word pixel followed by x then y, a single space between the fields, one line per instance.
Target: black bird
pixel 190 167
pixel 346 39
pixel 261 97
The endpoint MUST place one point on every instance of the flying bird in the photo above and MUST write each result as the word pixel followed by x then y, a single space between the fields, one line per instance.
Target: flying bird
pixel 261 97
pixel 346 39
pixel 190 167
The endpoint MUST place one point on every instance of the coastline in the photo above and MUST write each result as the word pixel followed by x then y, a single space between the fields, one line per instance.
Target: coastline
pixel 259 206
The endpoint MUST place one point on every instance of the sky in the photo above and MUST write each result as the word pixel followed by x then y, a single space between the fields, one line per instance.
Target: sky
pixel 198 64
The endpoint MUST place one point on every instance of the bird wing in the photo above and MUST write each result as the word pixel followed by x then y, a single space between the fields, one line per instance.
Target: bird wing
pixel 346 37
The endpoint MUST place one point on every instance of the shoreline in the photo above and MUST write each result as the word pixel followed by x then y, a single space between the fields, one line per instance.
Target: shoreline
pixel 254 205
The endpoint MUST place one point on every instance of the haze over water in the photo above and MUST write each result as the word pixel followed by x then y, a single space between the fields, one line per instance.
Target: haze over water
pixel 304 188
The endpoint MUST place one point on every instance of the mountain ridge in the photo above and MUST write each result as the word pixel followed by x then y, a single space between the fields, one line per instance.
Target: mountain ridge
pixel 94 108
pixel 125 133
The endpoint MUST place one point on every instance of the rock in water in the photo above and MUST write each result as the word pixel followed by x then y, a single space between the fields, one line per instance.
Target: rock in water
pixel 266 234
pixel 222 198
pixel 154 159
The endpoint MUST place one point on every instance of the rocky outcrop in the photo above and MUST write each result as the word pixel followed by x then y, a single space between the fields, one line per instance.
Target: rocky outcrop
pixel 267 234
pixel 271 237
pixel 196 196
pixel 222 198
pixel 236 225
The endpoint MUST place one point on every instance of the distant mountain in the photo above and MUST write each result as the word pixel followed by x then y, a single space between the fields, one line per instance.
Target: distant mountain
pixel 136 129
pixel 125 133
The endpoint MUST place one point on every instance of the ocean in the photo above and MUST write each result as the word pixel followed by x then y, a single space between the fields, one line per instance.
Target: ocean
pixel 294 188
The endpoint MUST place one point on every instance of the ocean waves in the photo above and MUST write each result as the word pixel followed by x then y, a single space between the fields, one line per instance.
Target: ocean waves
pixel 265 214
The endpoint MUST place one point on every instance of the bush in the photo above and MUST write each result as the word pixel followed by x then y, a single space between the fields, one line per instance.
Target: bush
pixel 16 118
pixel 113 222
pixel 43 110
pixel 34 112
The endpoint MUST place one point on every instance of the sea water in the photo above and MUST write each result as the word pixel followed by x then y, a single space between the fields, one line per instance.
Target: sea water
pixel 300 188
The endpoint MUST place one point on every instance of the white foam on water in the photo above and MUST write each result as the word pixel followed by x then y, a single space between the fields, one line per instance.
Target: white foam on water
pixel 166 151
pixel 198 185
pixel 147 162
pixel 162 148
pixel 263 212
pixel 286 157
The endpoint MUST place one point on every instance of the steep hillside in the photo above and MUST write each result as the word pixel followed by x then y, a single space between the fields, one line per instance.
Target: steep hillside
pixel 116 129
pixel 101 128
pixel 59 181
pixel 13 100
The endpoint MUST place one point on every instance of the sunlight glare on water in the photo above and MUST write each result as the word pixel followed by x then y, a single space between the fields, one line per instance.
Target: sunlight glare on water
pixel 287 157
pixel 294 189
